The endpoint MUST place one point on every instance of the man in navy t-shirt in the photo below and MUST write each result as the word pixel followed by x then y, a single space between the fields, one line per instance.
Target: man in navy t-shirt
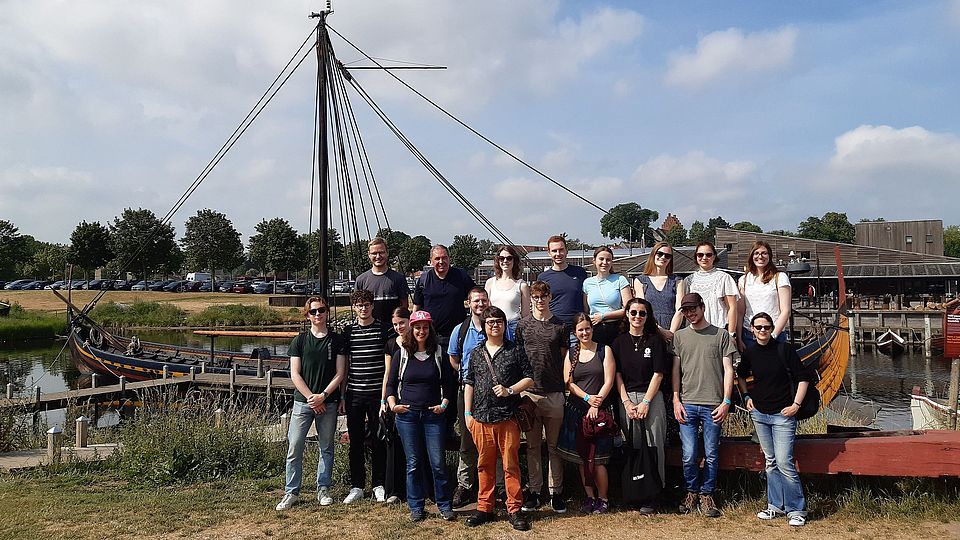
pixel 565 281
pixel 441 292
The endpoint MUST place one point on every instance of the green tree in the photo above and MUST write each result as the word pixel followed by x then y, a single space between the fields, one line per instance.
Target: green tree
pixel 710 232
pixel 677 236
pixel 486 248
pixel 951 241
pixel 143 243
pixel 747 226
pixel 395 242
pixel 210 241
pixel 630 222
pixel 47 262
pixel 12 249
pixel 415 254
pixel 465 252
pixel 782 232
pixel 874 220
pixel 276 246
pixel 698 233
pixel 335 251
pixel 355 257
pixel 90 246
pixel 832 227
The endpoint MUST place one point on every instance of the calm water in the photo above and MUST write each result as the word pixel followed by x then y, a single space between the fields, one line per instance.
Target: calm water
pixel 870 376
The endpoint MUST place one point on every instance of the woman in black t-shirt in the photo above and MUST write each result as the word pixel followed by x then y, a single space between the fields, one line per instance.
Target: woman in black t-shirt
pixel 773 407
pixel 395 483
pixel 643 359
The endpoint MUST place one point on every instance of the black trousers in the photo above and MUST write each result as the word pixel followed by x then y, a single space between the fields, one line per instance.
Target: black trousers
pixel 362 423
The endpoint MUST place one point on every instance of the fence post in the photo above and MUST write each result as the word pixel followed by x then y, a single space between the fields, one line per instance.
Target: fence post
pixel 269 387
pixel 203 367
pixel 259 368
pixel 233 380
pixel 54 435
pixel 853 322
pixel 193 373
pixel 93 380
pixel 37 395
pixel 83 424
pixel 9 390
pixel 954 391
pixel 166 372
pixel 284 423
pixel 218 415
pixel 123 385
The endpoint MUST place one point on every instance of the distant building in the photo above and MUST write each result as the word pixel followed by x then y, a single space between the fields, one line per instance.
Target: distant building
pixel 917 236
pixel 669 223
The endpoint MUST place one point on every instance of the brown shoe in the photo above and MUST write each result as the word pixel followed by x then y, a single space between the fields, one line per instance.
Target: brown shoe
pixel 708 507
pixel 689 503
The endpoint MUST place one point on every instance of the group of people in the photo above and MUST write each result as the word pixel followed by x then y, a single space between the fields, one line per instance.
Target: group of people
pixel 585 359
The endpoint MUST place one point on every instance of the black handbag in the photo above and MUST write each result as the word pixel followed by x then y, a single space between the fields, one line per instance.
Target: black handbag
pixel 810 405
pixel 640 478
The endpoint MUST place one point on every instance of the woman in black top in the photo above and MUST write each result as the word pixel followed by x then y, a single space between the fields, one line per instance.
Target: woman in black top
pixel 642 359
pixel 418 392
pixel 395 483
pixel 773 406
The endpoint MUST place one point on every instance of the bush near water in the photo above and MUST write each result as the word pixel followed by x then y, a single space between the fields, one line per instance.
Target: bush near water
pixel 21 325
pixel 140 313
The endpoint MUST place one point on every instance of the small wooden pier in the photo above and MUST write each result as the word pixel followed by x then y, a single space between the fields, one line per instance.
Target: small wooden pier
pixel 919 328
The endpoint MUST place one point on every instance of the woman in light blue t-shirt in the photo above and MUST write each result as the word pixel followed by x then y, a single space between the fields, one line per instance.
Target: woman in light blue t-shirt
pixel 606 294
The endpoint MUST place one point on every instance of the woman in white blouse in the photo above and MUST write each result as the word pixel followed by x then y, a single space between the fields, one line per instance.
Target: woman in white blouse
pixel 506 290
pixel 763 289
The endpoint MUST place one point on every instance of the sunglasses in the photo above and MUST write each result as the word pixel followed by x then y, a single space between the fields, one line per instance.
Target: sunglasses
pixel 505 258
pixel 666 256
pixel 763 327
pixel 704 255
pixel 317 311
pixel 635 313
pixel 688 309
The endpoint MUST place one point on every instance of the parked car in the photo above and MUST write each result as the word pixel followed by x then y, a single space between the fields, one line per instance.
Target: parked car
pixel 205 286
pixel 242 287
pixel 298 288
pixel 175 285
pixel 160 285
pixel 17 285
pixel 226 286
pixel 54 286
pixel 123 285
pixel 78 285
pixel 139 286
pixel 100 284
pixel 263 288
pixel 2 283
pixel 38 285
pixel 193 286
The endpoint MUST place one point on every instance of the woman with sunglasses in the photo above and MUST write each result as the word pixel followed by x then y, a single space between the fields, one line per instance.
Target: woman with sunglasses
pixel 506 290
pixel 716 288
pixel 662 288
pixel 763 289
pixel 418 391
pixel 318 364
pixel 642 359
pixel 773 405
pixel 590 373
pixel 606 292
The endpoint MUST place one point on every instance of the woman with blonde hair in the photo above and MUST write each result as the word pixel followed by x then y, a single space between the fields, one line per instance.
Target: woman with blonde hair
pixel 662 288
pixel 763 289
pixel 606 293
pixel 505 289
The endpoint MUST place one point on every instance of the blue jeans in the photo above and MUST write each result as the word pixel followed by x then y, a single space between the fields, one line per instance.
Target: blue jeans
pixel 777 433
pixel 326 423
pixel 423 434
pixel 698 415
pixel 749 340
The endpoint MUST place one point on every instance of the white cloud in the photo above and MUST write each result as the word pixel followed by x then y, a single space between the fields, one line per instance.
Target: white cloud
pixel 730 53
pixel 869 150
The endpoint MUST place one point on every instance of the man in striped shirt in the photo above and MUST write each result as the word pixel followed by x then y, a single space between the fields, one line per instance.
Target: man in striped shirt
pixel 365 339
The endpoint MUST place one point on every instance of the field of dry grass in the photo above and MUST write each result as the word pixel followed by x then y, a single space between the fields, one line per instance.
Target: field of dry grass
pixel 190 302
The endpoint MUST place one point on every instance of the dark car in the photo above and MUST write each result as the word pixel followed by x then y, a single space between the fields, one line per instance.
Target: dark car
pixel 263 288
pixel 175 286
pixel 298 288
pixel 242 287
pixel 123 285
pixel 38 285
pixel 139 286
pixel 205 286
pixel 226 286
pixel 193 286
pixel 18 284
pixel 97 284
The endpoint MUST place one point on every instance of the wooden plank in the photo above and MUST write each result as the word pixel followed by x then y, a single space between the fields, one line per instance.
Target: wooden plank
pixel 246 333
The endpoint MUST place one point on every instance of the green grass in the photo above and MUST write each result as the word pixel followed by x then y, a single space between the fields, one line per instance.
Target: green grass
pixel 236 315
pixel 23 325
pixel 138 313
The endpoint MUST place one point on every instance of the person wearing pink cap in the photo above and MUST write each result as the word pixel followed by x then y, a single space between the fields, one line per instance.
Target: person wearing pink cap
pixel 419 389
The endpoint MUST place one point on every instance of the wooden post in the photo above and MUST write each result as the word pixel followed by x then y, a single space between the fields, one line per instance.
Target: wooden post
pixel 83 424
pixel 218 415
pixel 54 435
pixel 233 380
pixel 284 423
pixel 166 372
pixel 9 390
pixel 259 368
pixel 954 390
pixel 927 337
pixel 193 373
pixel 37 395
pixel 123 385
pixel 269 387
pixel 853 322
pixel 203 367
pixel 93 380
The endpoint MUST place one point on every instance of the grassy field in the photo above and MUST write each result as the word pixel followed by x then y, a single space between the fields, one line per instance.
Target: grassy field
pixel 189 302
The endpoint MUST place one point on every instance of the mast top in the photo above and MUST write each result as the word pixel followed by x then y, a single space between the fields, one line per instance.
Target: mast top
pixel 324 12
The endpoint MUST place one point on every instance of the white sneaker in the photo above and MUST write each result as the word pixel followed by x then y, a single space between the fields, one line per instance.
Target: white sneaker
pixel 768 513
pixel 287 502
pixel 798 521
pixel 354 495
pixel 380 494
pixel 393 499
pixel 323 497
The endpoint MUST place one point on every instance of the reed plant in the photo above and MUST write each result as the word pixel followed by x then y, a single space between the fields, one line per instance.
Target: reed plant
pixel 23 325
pixel 138 313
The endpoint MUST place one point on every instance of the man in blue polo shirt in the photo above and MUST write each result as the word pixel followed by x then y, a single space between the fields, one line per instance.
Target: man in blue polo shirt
pixel 441 292
pixel 565 281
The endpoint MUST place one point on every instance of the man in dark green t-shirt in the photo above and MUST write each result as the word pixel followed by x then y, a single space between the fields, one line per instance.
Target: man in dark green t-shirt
pixel 317 366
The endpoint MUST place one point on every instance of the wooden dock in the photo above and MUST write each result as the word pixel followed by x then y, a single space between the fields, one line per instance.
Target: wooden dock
pixel 133 391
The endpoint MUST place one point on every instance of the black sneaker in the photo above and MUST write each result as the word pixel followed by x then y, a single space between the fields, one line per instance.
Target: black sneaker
pixel 558 503
pixel 463 496
pixel 531 501
pixel 501 494
pixel 417 515
pixel 479 519
pixel 519 521
pixel 448 515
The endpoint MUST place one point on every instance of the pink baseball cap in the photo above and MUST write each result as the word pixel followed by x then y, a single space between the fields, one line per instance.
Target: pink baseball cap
pixel 420 316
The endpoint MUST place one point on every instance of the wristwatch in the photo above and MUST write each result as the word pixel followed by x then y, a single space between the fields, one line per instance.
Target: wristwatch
pixel 323 395
pixel 509 390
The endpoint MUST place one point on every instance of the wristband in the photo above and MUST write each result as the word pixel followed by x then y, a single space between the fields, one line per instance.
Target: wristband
pixel 586 397
pixel 726 401
pixel 797 404
pixel 383 402
pixel 443 406
pixel 467 413
pixel 646 401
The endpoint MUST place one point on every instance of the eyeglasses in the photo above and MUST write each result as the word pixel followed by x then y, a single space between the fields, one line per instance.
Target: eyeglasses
pixel 760 254
pixel 663 255
pixel 505 257
pixel 707 255
pixel 688 309
pixel 540 298
pixel 494 322
pixel 365 305
pixel 763 327
pixel 635 313
pixel 317 311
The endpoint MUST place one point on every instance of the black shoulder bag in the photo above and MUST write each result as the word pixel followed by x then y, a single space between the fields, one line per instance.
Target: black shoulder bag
pixel 811 400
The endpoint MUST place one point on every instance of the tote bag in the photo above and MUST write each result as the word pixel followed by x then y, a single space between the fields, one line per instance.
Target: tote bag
pixel 640 476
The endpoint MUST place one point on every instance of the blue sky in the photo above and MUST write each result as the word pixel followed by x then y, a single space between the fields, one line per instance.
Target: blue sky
pixel 761 111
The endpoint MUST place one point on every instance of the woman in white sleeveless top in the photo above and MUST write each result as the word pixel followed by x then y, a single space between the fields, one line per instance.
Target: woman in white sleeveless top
pixel 505 289
pixel 763 289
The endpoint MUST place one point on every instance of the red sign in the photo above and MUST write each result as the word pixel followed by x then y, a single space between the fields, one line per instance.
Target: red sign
pixel 951 332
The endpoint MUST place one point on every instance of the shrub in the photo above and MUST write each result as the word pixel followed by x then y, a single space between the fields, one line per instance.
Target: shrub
pixel 138 313
pixel 235 315
pixel 21 325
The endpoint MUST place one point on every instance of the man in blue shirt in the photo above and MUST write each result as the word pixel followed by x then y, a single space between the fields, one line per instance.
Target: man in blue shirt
pixel 441 292
pixel 565 281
